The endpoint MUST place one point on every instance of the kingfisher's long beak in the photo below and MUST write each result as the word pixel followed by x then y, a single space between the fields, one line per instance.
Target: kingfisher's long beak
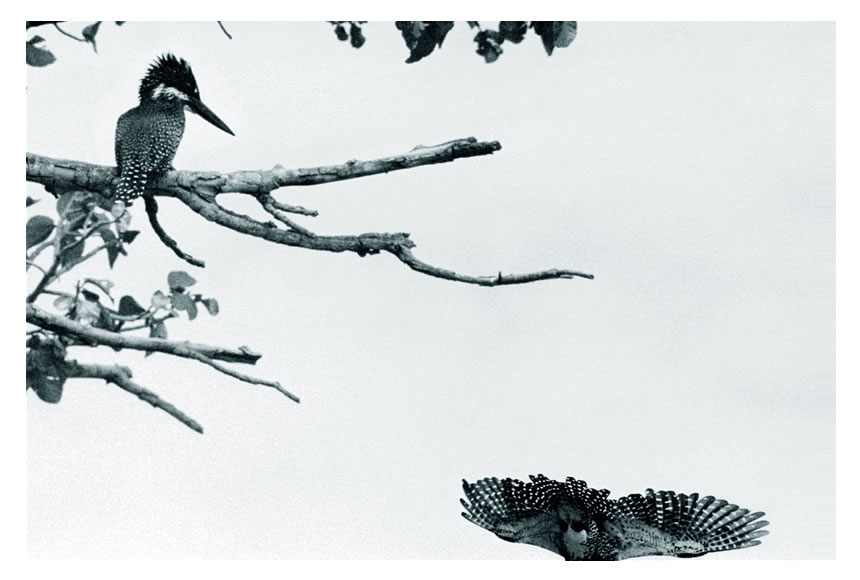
pixel 198 107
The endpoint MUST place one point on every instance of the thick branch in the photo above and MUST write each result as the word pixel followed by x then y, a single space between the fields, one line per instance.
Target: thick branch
pixel 61 324
pixel 121 377
pixel 198 191
pixel 59 175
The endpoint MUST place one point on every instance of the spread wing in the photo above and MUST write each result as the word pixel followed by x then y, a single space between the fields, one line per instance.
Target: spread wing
pixel 666 523
pixel 516 511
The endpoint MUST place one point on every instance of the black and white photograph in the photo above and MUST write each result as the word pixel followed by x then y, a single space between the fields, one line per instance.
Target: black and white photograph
pixel 431 290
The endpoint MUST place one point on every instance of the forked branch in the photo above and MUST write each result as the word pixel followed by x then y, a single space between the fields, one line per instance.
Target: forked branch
pixel 199 189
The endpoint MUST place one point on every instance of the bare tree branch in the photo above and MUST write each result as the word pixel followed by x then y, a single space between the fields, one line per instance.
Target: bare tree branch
pixel 72 36
pixel 225 30
pixel 297 209
pixel 243 377
pixel 199 189
pixel 49 276
pixel 271 206
pixel 152 212
pixel 98 336
pixel 58 175
pixel 498 280
pixel 121 377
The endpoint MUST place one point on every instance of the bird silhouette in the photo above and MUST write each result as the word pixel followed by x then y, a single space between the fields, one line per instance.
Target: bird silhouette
pixel 580 523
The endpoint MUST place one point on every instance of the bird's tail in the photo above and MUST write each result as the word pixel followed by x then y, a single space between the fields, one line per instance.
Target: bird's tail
pixel 132 183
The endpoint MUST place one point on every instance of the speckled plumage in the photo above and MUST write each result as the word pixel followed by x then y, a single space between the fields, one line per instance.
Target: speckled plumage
pixel 581 523
pixel 147 138
pixel 148 135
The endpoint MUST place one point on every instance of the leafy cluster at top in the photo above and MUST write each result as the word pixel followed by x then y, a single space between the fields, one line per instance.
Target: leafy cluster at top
pixel 355 35
pixel 422 37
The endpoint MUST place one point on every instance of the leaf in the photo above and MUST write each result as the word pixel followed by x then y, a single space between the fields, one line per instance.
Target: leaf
pixel 489 45
pixel 158 330
pixel 48 388
pixel 72 207
pixel 128 306
pixel 128 236
pixel 117 209
pixel 103 285
pixel 39 227
pixel 113 253
pixel 356 36
pixel 110 240
pixel 159 300
pixel 107 321
pixel 340 32
pixel 89 33
pixel 64 302
pixel 91 296
pixel 88 311
pixel 184 302
pixel 70 250
pixel 563 33
pixel 513 30
pixel 122 217
pixel 31 201
pixel 544 30
pixel 179 280
pixel 474 24
pixel 64 200
pixel 421 37
pixel 211 305
pixel 46 368
pixel 37 56
pixel 555 33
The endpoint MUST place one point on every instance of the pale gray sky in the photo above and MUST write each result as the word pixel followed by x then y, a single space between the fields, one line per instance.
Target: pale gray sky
pixel 689 167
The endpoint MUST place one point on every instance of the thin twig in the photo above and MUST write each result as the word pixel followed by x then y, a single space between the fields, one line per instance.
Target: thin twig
pixel 63 325
pixel 35 253
pixel 57 26
pixel 83 258
pixel 121 377
pixel 499 279
pixel 268 203
pixel 225 30
pixel 297 209
pixel 49 277
pixel 37 266
pixel 152 213
pixel 243 377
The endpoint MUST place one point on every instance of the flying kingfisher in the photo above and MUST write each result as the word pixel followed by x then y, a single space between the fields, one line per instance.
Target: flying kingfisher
pixel 148 135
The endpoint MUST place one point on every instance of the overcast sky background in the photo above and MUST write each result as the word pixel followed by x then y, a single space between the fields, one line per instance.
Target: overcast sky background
pixel 689 167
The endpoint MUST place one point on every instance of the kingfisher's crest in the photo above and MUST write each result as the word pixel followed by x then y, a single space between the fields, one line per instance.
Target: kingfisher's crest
pixel 168 79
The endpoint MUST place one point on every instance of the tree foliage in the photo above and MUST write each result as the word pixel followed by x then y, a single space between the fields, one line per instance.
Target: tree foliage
pixel 421 37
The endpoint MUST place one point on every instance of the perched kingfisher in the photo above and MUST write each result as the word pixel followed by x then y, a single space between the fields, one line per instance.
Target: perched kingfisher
pixel 148 135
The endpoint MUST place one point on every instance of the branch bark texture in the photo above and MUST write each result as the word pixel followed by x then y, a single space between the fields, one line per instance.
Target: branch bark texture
pixel 199 189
